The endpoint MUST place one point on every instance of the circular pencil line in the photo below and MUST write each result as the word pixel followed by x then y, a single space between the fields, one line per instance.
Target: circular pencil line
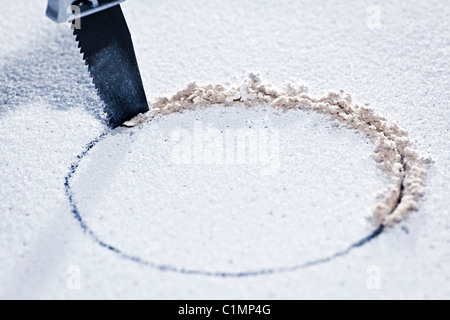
pixel 393 149
pixel 170 268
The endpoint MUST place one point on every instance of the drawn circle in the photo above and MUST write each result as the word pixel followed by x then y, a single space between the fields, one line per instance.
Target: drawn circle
pixel 134 196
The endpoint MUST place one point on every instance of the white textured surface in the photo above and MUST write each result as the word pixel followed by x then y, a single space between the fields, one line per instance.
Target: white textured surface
pixel 47 109
pixel 230 217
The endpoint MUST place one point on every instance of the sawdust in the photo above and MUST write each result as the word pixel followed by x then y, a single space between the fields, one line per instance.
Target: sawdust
pixel 393 149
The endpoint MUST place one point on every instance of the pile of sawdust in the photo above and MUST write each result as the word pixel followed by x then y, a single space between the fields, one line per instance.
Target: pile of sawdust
pixel 393 149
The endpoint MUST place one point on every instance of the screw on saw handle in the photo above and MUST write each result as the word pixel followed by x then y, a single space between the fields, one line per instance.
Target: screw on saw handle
pixel 63 10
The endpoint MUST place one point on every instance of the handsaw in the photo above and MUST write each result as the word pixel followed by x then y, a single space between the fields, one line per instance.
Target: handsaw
pixel 105 42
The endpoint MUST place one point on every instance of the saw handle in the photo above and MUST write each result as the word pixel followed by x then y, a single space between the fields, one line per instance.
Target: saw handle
pixel 63 10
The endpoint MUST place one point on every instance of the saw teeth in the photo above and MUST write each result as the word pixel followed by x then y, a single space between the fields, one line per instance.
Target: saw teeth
pixel 115 75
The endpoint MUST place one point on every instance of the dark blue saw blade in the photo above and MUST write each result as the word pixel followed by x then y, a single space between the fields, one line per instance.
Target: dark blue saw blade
pixel 107 48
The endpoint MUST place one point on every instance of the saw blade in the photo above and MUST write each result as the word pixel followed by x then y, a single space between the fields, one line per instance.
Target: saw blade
pixel 107 48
